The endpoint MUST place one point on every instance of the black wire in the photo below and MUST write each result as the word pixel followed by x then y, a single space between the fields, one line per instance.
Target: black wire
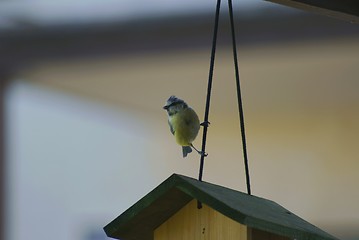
pixel 239 97
pixel 209 89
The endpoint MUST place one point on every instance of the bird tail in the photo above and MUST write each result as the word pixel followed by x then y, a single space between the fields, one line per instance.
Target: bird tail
pixel 186 150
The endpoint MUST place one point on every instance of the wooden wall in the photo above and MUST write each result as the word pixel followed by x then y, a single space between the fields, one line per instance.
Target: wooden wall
pixel 191 223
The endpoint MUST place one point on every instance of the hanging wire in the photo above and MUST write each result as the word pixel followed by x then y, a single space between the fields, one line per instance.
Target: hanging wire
pixel 209 89
pixel 239 97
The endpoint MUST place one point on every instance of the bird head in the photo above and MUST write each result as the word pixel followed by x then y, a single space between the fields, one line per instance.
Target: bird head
pixel 174 104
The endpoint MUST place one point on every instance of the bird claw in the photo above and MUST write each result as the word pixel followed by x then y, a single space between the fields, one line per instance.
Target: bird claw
pixel 205 123
pixel 203 154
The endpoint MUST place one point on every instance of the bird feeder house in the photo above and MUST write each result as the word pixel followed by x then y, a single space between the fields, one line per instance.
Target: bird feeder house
pixel 170 212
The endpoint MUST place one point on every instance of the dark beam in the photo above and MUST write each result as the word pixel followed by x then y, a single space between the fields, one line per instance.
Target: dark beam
pixel 3 87
pixel 23 47
pixel 343 9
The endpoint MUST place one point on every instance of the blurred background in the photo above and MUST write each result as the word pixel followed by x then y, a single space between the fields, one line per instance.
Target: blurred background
pixel 85 135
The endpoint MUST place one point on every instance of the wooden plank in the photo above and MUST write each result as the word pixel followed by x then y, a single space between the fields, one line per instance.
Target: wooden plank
pixel 347 10
pixel 191 223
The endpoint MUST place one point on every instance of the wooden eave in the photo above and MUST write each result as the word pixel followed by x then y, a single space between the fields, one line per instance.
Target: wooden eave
pixel 140 220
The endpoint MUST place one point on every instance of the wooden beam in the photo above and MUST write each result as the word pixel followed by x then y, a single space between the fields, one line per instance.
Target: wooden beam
pixel 347 10
pixel 3 87
pixel 26 47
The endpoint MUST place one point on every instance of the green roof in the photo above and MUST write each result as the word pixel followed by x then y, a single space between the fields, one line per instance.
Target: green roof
pixel 140 220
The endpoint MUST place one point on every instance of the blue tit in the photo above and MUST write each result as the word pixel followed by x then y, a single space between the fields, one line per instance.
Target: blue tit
pixel 184 123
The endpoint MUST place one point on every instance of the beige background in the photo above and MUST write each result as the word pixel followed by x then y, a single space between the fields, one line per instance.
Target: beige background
pixel 301 105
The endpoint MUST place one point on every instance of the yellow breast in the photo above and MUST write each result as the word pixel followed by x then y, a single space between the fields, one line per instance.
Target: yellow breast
pixel 186 126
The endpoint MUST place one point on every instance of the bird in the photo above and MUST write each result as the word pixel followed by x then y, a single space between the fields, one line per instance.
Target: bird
pixel 183 122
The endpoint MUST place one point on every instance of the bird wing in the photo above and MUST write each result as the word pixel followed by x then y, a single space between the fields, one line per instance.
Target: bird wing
pixel 171 128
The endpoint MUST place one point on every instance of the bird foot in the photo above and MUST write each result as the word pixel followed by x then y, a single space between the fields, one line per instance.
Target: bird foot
pixel 204 154
pixel 205 124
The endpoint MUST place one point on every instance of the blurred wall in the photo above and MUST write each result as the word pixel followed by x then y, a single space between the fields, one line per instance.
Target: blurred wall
pixel 301 107
pixel 87 135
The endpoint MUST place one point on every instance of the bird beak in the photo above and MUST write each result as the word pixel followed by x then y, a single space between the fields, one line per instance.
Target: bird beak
pixel 165 107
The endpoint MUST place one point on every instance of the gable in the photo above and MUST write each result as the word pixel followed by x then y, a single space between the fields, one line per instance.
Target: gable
pixel 141 220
